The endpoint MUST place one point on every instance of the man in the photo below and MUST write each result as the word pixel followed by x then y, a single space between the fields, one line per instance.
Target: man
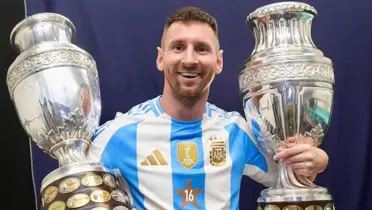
pixel 177 151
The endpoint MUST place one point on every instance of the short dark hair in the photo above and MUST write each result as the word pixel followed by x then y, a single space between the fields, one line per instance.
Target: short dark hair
pixel 192 14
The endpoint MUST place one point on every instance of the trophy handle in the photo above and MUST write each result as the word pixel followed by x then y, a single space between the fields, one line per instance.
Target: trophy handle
pixel 305 180
pixel 287 179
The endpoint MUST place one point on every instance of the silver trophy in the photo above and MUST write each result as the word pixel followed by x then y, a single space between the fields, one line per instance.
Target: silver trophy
pixel 287 88
pixel 54 85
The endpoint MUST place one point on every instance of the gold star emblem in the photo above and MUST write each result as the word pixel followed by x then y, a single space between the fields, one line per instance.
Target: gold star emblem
pixel 189 195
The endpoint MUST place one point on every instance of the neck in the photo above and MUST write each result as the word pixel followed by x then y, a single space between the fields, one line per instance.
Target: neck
pixel 182 108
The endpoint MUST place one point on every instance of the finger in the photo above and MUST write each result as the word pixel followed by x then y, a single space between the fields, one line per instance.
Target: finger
pixel 303 157
pixel 291 139
pixel 301 165
pixel 290 145
pixel 283 147
pixel 303 172
pixel 302 179
pixel 295 150
pixel 279 149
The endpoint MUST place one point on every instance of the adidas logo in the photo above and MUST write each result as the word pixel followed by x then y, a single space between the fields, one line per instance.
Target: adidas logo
pixel 156 158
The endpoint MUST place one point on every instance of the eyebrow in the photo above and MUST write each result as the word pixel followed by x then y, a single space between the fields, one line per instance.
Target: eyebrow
pixel 180 41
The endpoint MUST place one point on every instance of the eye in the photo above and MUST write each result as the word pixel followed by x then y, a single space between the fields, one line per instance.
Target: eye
pixel 178 47
pixel 202 50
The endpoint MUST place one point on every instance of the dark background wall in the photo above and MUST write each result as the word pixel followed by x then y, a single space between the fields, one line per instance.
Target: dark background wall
pixel 16 182
pixel 122 36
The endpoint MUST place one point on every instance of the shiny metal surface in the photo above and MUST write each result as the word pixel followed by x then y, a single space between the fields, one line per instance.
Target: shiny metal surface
pixel 287 89
pixel 54 86
pixel 39 28
pixel 302 194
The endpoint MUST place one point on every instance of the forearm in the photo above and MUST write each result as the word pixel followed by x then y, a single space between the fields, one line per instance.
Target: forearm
pixel 265 177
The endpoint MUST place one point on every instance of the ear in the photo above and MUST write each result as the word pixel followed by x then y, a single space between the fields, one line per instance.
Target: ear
pixel 159 59
pixel 219 62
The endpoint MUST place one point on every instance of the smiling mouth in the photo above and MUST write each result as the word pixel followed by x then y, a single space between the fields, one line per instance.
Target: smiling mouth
pixel 189 75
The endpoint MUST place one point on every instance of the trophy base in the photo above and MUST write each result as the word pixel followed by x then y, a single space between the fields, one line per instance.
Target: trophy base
pixel 83 186
pixel 297 205
pixel 316 198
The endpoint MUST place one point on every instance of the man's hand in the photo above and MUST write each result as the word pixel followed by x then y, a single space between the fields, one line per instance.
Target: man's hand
pixel 304 159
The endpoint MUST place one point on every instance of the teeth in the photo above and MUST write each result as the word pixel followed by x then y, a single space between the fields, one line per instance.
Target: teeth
pixel 187 74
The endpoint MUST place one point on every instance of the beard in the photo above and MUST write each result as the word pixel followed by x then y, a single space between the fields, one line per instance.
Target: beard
pixel 189 97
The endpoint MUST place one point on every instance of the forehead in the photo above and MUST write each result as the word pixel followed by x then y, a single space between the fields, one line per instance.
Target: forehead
pixel 190 31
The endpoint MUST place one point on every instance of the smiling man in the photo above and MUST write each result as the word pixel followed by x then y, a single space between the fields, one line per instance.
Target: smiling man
pixel 177 151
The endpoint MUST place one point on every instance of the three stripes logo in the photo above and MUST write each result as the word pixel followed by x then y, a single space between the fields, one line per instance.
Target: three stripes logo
pixel 154 159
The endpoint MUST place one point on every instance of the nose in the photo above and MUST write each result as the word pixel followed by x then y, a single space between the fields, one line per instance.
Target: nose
pixel 190 58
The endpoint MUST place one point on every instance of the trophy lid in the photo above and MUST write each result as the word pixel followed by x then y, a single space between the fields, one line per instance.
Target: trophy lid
pixel 281 7
pixel 41 27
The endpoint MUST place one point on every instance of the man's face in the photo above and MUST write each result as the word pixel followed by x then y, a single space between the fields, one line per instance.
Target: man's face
pixel 189 58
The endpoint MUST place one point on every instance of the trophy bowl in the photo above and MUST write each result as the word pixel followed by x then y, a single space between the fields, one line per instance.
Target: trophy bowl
pixel 287 89
pixel 54 86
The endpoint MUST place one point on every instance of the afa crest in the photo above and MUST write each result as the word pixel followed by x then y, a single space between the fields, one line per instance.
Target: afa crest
pixel 217 152
pixel 187 154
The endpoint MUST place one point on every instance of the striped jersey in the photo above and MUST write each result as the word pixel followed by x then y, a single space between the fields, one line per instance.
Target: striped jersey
pixel 169 164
